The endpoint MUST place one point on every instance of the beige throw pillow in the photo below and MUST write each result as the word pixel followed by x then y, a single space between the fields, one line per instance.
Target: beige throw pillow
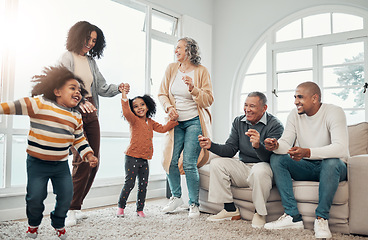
pixel 358 138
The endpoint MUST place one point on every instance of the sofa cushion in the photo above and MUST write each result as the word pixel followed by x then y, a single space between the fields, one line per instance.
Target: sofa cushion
pixel 238 193
pixel 204 176
pixel 358 138
pixel 307 192
pixel 304 191
pixel 246 194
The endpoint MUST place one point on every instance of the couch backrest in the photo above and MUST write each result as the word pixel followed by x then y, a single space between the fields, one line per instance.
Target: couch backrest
pixel 358 138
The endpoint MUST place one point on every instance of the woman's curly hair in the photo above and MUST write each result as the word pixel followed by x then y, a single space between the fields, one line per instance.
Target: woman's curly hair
pixel 53 78
pixel 150 103
pixel 79 34
pixel 192 50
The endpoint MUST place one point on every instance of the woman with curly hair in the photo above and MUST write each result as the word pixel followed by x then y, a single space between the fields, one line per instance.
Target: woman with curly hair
pixel 186 94
pixel 85 42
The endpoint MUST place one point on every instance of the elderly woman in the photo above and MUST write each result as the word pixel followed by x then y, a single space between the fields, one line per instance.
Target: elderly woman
pixel 186 94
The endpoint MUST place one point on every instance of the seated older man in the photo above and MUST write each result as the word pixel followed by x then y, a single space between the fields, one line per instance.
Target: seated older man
pixel 252 170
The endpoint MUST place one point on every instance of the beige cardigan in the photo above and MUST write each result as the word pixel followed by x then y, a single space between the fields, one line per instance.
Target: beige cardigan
pixel 202 95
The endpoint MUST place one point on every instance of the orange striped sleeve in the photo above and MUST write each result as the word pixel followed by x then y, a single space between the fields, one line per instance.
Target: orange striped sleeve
pixel 5 108
pixel 79 140
pixel 30 110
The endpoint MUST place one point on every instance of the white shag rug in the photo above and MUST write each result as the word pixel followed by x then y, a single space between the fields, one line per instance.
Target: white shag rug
pixel 103 224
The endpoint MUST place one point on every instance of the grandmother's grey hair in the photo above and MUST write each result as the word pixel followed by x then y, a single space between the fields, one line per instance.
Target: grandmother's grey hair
pixel 192 50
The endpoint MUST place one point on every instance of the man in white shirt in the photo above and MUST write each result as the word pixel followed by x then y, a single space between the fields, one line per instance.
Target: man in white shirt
pixel 313 147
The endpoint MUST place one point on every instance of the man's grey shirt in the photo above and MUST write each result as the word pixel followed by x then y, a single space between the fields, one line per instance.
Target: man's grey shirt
pixel 268 127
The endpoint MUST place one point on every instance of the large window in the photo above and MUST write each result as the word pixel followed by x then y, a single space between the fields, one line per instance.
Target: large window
pixel 324 46
pixel 292 68
pixel 164 28
pixel 140 44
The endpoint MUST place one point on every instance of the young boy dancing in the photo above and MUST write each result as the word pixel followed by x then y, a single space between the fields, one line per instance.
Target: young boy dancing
pixel 54 126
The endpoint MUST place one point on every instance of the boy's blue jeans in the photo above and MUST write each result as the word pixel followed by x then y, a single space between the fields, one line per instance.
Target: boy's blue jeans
pixel 329 172
pixel 38 174
pixel 186 140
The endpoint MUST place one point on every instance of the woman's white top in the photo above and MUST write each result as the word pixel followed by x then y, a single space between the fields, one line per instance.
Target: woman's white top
pixel 185 105
pixel 82 70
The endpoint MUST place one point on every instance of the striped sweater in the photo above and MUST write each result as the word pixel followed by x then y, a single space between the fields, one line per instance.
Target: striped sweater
pixel 54 129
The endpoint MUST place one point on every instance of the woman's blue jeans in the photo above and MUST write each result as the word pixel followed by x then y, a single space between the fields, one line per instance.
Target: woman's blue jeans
pixel 186 141
pixel 328 172
pixel 38 174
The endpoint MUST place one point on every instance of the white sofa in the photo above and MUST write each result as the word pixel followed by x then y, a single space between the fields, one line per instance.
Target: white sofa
pixel 349 211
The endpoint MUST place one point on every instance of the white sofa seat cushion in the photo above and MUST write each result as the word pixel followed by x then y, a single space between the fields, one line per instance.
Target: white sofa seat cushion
pixel 304 191
pixel 307 192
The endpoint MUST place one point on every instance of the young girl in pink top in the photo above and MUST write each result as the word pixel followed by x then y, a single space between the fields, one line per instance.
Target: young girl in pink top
pixel 138 112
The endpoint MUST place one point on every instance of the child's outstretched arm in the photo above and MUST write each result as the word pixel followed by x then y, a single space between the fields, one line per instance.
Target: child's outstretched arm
pixel 124 88
pixel 92 159
pixel 23 106
pixel 128 114
pixel 164 128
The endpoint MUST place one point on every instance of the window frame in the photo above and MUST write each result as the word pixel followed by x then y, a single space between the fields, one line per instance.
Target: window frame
pixel 269 38
pixel 7 90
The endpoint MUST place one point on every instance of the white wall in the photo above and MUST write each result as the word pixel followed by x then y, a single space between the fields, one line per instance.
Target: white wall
pixel 202 33
pixel 237 24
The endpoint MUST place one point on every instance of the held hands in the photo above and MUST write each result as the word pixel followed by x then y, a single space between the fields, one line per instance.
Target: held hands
pixel 92 160
pixel 253 137
pixel 189 82
pixel 204 142
pixel 297 153
pixel 271 144
pixel 124 88
pixel 87 107
pixel 173 114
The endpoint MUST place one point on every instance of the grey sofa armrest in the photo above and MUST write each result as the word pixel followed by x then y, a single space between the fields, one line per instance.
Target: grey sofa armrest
pixel 358 194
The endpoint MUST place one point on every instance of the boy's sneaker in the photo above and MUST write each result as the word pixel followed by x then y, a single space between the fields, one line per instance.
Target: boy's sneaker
pixel 141 214
pixel 70 219
pixel 258 221
pixel 120 212
pixel 173 204
pixel 321 229
pixel 193 211
pixel 225 215
pixel 32 232
pixel 61 233
pixel 284 222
